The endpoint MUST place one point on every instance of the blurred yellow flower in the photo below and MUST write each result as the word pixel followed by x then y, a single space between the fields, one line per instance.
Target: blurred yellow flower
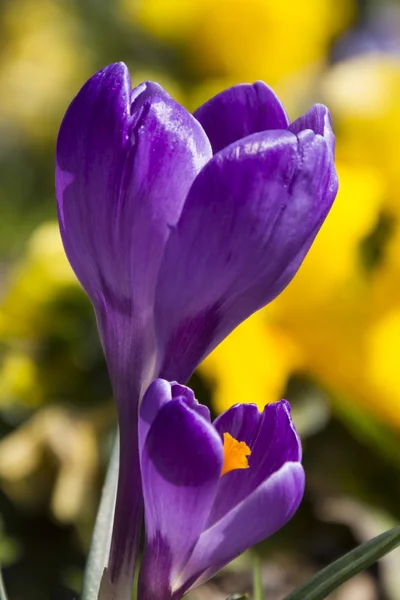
pixel 251 365
pixel 42 61
pixel 382 365
pixel 245 39
pixel 36 281
pixel 385 281
pixel 19 381
pixel 43 275
pixel 363 95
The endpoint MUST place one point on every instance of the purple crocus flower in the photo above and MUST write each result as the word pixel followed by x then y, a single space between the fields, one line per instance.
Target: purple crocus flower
pixel 203 507
pixel 179 227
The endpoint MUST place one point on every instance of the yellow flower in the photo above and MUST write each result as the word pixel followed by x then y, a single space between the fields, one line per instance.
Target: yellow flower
pixel 42 274
pixel 251 365
pixel 19 382
pixel 42 63
pixel 382 366
pixel 363 95
pixel 25 316
pixel 246 39
pixel 385 282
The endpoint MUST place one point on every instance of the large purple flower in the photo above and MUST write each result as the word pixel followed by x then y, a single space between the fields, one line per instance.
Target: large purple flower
pixel 179 227
pixel 197 520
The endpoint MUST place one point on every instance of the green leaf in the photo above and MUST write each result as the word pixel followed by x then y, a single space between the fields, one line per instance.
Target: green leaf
pixel 330 578
pixel 3 593
pixel 100 544
pixel 258 592
pixel 238 597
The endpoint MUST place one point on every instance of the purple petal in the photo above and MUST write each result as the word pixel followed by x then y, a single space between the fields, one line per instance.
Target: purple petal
pixel 187 395
pixel 318 119
pixel 181 465
pixel 92 145
pixel 240 111
pixel 125 162
pixel 242 421
pixel 157 395
pixel 273 442
pixel 260 515
pixel 155 571
pixel 249 219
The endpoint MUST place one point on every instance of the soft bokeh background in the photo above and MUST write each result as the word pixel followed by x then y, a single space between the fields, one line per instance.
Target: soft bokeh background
pixel 330 343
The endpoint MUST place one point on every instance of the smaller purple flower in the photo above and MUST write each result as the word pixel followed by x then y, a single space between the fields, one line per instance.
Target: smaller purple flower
pixel 211 490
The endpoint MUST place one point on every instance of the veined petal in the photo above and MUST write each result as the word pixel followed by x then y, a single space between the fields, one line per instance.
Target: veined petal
pixel 240 111
pixel 273 442
pixel 249 219
pixel 125 162
pixel 257 517
pixel 181 464
pixel 318 119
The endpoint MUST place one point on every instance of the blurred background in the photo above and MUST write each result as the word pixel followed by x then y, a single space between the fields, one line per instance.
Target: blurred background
pixel 330 343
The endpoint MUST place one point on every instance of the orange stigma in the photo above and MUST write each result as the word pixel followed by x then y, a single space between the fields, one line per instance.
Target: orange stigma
pixel 235 454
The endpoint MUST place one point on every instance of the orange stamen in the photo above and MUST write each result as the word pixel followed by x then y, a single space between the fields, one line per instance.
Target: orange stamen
pixel 235 454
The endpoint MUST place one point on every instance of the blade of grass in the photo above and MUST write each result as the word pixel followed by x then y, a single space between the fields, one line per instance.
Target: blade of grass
pixel 3 593
pixel 100 545
pixel 332 576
